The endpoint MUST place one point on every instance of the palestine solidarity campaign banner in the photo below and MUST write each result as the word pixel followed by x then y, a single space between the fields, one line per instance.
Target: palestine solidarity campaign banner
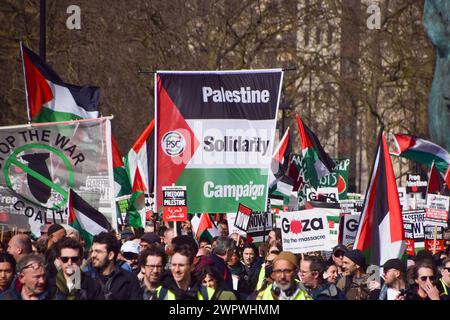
pixel 214 135
pixel 39 163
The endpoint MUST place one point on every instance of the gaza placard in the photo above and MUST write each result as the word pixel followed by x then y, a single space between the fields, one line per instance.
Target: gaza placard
pixel 305 231
pixel 214 135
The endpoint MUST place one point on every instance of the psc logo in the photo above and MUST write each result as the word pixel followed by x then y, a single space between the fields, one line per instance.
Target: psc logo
pixel 173 143
pixel 299 226
pixel 28 174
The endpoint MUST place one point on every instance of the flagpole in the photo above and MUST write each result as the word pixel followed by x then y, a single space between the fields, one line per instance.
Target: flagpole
pixel 434 239
pixel 25 83
pixel 111 175
pixel 42 29
pixel 1 237
pixel 43 124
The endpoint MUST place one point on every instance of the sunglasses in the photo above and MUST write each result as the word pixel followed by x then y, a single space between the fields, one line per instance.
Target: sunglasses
pixel 447 268
pixel 424 278
pixel 130 255
pixel 73 259
pixel 339 254
pixel 274 251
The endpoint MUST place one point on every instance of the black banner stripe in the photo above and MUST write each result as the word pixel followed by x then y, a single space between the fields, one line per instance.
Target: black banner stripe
pixel 186 92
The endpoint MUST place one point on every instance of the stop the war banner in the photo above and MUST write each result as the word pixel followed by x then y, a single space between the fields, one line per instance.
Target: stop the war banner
pixel 40 162
pixel 214 135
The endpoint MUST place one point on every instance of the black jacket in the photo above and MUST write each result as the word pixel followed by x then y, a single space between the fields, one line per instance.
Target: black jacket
pixel 252 274
pixel 119 285
pixel 222 267
pixel 89 289
pixel 411 293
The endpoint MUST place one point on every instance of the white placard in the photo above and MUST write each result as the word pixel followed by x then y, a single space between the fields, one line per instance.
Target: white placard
pixel 350 228
pixel 305 231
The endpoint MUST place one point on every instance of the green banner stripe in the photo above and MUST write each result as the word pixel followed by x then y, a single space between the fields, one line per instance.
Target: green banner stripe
pixel 48 115
pixel 221 190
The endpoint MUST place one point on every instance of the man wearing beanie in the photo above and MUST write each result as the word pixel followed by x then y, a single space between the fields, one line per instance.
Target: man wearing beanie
pixel 285 285
pixel 354 280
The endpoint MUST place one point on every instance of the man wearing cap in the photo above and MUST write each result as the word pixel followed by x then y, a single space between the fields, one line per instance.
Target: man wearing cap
pixel 148 239
pixel 394 271
pixel 130 254
pixel 354 280
pixel 285 285
pixel 337 257
pixel 54 233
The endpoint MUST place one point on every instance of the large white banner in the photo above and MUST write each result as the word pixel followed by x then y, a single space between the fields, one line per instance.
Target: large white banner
pixel 214 134
pixel 40 162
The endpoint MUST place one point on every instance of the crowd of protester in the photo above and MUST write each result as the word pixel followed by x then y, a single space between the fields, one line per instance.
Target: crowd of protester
pixel 157 265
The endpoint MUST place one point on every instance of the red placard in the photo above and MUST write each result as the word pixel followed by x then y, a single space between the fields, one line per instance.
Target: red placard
pixel 439 245
pixel 410 250
pixel 175 203
pixel 175 213
pixel 243 217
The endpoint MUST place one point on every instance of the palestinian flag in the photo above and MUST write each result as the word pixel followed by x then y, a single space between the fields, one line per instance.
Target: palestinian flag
pixel 49 99
pixel 87 220
pixel 447 178
pixel 380 233
pixel 295 171
pixel 283 186
pixel 280 158
pixel 421 150
pixel 139 164
pixel 122 185
pixel 203 227
pixel 279 183
pixel 435 181
pixel 278 201
pixel 317 162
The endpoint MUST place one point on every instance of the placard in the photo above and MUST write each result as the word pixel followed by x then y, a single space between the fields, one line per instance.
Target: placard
pixel 243 217
pixel 305 231
pixel 174 203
